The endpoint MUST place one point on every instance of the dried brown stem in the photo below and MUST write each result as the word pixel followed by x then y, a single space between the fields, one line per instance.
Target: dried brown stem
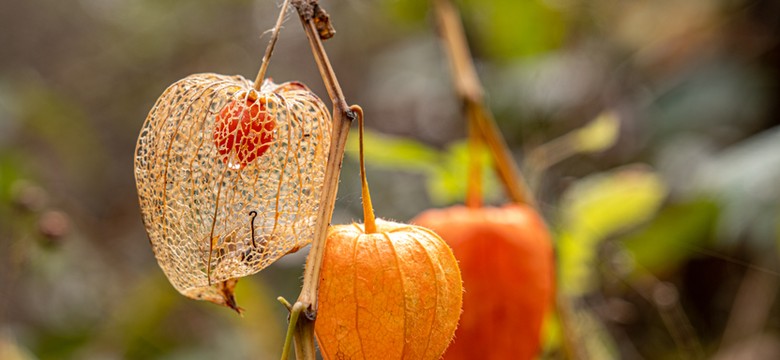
pixel 312 18
pixel 271 44
pixel 469 89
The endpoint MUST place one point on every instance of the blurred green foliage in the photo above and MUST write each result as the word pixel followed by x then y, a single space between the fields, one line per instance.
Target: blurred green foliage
pixel 673 236
pixel 600 134
pixel 508 29
pixel 595 208
pixel 503 29
pixel 445 171
pixel 688 89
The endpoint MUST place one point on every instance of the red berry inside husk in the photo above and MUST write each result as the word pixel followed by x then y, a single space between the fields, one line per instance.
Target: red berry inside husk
pixel 244 131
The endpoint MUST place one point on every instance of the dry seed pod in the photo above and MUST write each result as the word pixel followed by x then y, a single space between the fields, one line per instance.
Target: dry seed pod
pixel 392 294
pixel 229 178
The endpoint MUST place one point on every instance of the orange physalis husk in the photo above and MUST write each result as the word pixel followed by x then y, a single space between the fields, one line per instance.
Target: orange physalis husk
pixel 392 294
pixel 506 259
pixel 229 178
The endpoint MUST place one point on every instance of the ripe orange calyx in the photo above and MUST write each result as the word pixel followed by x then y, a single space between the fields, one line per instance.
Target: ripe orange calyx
pixel 506 258
pixel 243 130
pixel 392 294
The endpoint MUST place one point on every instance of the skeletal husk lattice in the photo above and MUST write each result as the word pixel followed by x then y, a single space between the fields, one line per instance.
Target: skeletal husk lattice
pixel 229 178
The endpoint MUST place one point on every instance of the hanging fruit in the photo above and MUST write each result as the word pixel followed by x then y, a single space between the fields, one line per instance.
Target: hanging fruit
pixel 506 260
pixel 392 294
pixel 386 290
pixel 244 130
pixel 505 253
pixel 229 178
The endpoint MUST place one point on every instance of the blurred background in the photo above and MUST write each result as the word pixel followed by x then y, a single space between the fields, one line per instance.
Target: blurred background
pixel 647 129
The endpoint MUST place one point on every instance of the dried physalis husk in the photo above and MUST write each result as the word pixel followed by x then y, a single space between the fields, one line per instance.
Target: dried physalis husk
pixel 229 178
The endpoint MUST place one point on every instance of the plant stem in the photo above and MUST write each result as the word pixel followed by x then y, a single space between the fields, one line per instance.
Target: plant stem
pixel 313 19
pixel 270 48
pixel 469 89
pixel 507 170
pixel 369 219
pixel 550 153
pixel 295 313
pixel 474 183
pixel 571 338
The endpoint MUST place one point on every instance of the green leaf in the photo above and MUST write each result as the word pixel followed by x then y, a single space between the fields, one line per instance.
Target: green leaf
pixel 600 134
pixel 446 171
pixel 507 29
pixel 394 152
pixel 448 183
pixel 408 12
pixel 576 257
pixel 552 333
pixel 596 207
pixel 674 235
pixel 602 204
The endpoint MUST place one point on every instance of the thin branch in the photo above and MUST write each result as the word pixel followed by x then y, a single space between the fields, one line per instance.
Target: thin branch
pixel 317 26
pixel 666 299
pixel 571 337
pixel 342 118
pixel 507 170
pixel 469 89
pixel 295 313
pixel 271 44
pixel 475 146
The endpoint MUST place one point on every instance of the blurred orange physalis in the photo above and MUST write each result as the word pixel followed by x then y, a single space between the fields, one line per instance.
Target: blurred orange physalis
pixel 244 129
pixel 392 294
pixel 506 259
pixel 213 210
